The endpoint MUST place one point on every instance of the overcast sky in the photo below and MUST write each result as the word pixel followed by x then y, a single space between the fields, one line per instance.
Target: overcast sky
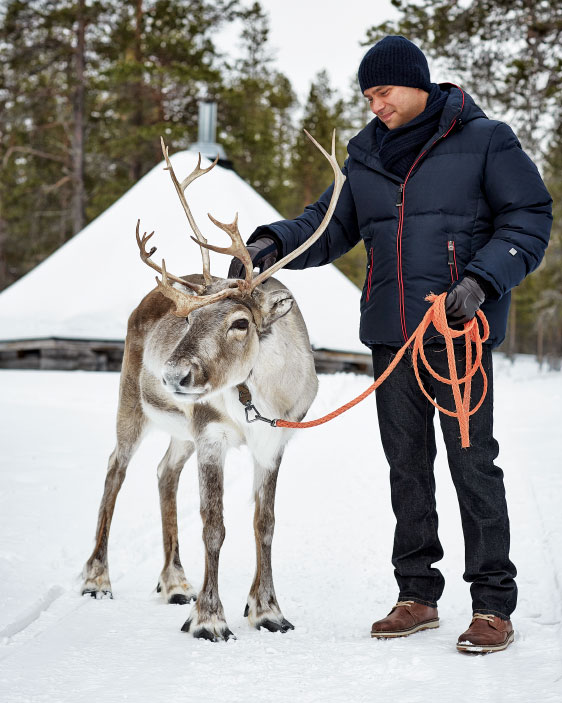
pixel 307 36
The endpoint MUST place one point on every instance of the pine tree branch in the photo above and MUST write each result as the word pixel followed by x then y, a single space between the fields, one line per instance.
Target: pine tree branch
pixel 32 152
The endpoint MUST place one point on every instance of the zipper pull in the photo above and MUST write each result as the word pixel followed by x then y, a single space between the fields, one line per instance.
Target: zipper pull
pixel 451 252
pixel 400 198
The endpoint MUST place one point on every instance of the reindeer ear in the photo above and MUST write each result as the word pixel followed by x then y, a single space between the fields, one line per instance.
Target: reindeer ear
pixel 273 305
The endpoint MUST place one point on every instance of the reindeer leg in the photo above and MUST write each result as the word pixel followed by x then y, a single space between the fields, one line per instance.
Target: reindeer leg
pixel 131 425
pixel 172 583
pixel 262 608
pixel 95 572
pixel 207 619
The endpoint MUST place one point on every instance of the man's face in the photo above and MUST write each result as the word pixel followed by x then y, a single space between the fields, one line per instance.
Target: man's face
pixel 396 104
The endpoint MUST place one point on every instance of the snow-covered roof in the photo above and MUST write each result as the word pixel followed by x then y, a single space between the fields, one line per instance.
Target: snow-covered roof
pixel 88 287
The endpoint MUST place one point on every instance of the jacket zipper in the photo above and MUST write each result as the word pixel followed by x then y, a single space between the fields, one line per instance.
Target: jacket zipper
pixel 370 274
pixel 400 204
pixel 452 260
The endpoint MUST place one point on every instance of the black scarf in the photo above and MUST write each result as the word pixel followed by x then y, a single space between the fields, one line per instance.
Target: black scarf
pixel 399 147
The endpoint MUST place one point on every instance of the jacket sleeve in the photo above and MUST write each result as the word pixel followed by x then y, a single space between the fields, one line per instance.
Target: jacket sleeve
pixel 341 235
pixel 522 214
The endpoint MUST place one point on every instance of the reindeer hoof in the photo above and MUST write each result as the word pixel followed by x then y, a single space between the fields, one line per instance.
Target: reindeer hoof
pixel 180 599
pixel 176 592
pixel 205 633
pixel 246 610
pixel 274 626
pixel 98 595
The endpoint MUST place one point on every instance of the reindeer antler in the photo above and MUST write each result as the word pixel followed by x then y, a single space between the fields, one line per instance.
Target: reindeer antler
pixel 184 304
pixel 145 256
pixel 180 189
pixel 339 180
pixel 238 248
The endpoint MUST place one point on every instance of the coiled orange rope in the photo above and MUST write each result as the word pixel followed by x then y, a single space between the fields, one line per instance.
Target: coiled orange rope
pixel 436 316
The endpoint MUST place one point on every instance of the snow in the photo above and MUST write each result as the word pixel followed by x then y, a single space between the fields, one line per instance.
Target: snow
pixel 331 559
pixel 88 287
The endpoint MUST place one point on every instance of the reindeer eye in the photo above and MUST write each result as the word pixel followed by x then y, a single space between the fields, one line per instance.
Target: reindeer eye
pixel 241 324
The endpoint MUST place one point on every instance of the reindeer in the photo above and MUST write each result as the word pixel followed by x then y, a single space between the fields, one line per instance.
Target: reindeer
pixel 200 352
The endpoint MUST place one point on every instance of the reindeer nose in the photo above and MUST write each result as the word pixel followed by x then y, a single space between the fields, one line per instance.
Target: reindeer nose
pixel 187 380
pixel 180 378
pixel 177 380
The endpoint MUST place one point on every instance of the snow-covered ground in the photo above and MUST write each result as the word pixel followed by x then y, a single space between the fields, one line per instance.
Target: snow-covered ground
pixel 331 560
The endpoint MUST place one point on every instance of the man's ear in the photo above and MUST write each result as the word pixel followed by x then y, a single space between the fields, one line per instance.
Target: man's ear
pixel 272 306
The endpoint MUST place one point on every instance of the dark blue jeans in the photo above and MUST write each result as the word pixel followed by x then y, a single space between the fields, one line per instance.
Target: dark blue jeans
pixel 408 438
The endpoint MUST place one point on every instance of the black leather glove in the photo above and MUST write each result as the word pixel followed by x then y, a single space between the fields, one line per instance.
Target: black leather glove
pixel 463 301
pixel 264 254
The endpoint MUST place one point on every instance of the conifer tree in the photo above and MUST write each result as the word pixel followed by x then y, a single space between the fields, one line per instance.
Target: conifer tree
pixel 159 59
pixel 311 174
pixel 41 143
pixel 87 89
pixel 547 309
pixel 255 110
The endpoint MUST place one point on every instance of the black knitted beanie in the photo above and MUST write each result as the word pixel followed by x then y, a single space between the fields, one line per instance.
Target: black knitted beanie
pixel 394 60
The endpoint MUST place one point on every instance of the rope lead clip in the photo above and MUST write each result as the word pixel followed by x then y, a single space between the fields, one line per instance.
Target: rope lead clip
pixel 249 408
pixel 245 397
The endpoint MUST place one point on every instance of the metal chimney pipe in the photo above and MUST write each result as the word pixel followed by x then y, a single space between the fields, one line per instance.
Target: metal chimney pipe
pixel 207 131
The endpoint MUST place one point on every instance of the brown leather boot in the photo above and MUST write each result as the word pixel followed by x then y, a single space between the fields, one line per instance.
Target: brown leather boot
pixel 487 633
pixel 405 618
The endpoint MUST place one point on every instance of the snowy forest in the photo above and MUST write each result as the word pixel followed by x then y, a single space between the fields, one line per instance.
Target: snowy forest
pixel 88 87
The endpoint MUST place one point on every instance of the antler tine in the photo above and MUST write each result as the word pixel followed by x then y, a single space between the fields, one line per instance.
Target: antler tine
pixel 180 300
pixel 237 249
pixel 198 171
pixel 186 304
pixel 339 180
pixel 180 188
pixel 145 256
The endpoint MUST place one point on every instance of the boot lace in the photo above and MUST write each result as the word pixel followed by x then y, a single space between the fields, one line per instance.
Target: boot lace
pixel 481 616
pixel 407 603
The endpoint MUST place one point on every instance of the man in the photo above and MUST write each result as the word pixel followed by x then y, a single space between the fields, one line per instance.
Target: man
pixel 444 199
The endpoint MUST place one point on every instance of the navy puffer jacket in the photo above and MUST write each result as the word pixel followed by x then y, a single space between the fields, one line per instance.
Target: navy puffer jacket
pixel 472 201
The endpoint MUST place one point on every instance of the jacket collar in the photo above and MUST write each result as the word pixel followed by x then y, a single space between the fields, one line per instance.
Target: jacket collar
pixel 459 106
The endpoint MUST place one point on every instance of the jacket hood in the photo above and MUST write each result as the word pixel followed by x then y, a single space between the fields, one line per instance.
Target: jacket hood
pixel 459 107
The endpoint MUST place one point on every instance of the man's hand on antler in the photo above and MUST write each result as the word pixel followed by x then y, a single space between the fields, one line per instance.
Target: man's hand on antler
pixel 264 253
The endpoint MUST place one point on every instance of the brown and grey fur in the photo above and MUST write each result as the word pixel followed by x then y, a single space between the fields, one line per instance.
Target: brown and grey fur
pixel 204 358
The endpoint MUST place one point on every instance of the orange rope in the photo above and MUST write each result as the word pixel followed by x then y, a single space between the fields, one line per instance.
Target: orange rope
pixel 436 316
